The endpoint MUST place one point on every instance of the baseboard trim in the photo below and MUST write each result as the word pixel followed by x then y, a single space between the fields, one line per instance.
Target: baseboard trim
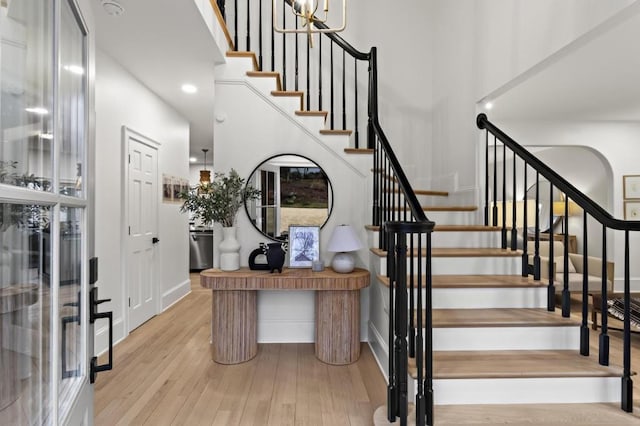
pixel 174 295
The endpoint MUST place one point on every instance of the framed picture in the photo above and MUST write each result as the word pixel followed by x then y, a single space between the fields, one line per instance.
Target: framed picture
pixel 631 187
pixel 632 210
pixel 304 245
pixel 167 189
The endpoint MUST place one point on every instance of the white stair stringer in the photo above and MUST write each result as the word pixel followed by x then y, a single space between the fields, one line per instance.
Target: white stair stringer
pixel 234 71
pixel 543 390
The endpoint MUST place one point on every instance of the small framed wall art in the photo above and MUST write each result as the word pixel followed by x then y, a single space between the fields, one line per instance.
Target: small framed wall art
pixel 632 210
pixel 631 187
pixel 304 245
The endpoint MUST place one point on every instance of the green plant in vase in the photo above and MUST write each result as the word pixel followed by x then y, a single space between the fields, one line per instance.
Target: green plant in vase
pixel 220 201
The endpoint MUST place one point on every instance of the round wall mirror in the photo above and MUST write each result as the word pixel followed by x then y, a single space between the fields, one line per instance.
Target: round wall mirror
pixel 294 191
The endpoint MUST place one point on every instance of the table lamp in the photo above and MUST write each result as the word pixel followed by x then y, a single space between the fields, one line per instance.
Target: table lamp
pixel 343 240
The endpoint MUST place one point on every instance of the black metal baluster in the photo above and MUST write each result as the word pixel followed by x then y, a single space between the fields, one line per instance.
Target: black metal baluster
pixel 412 326
pixel 273 40
pixel 486 179
pixel 627 384
pixel 235 24
pixel 260 35
pixel 603 356
pixel 566 296
pixel 297 75
pixel 419 340
pixel 584 329
pixel 356 140
pixel 551 289
pixel 514 229
pixel 392 388
pixel 320 72
pixel 429 334
pixel 536 245
pixel 308 74
pixel 504 196
pixel 332 103
pixel 284 47
pixel 494 210
pixel 344 92
pixel 400 344
pixel 376 188
pixel 525 229
pixel 248 25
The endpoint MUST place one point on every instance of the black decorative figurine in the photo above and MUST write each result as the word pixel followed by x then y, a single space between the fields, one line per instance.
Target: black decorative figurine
pixel 275 256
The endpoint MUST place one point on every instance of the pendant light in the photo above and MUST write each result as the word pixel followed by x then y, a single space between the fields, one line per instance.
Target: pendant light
pixel 205 175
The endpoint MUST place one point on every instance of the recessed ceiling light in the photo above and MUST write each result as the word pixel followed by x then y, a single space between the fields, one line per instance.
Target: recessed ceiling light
pixel 189 88
pixel 76 69
pixel 193 159
pixel 38 110
pixel 488 105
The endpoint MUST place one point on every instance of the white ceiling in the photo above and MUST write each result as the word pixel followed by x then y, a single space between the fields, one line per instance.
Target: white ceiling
pixel 595 78
pixel 165 43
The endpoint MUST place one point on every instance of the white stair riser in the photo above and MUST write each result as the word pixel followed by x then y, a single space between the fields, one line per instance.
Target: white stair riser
pixel 506 338
pixel 468 265
pixel 488 298
pixel 454 239
pixel 553 390
pixel 234 68
pixel 453 218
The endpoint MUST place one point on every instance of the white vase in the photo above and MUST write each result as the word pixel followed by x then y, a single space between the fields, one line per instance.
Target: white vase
pixel 229 250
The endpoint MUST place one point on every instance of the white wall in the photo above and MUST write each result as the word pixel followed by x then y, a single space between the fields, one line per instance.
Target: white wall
pixel 403 34
pixel 121 100
pixel 481 45
pixel 254 129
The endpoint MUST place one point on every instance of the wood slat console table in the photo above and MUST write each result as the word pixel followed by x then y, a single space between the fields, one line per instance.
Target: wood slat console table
pixel 234 311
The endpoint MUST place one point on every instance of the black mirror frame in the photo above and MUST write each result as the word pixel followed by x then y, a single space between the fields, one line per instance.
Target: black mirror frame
pixel 330 188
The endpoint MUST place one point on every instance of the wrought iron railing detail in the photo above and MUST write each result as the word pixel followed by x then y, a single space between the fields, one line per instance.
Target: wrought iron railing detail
pixel 592 212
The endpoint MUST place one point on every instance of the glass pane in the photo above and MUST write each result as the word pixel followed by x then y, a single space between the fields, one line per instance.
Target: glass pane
pixel 72 103
pixel 71 332
pixel 26 101
pixel 25 315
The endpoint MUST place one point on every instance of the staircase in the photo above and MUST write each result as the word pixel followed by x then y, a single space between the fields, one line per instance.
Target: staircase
pixel 495 340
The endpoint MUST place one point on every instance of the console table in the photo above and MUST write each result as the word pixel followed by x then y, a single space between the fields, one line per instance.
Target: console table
pixel 234 310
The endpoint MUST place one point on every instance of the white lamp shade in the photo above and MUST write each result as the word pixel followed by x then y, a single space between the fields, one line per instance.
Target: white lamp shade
pixel 343 239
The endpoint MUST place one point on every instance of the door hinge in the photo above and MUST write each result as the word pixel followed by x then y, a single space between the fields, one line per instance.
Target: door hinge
pixel 129 230
pixel 129 302
pixel 129 158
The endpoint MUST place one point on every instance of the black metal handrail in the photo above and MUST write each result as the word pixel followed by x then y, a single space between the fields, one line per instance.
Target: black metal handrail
pixel 592 210
pixel 396 210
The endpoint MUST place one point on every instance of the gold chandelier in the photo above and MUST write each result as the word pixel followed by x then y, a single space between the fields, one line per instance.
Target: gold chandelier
pixel 306 11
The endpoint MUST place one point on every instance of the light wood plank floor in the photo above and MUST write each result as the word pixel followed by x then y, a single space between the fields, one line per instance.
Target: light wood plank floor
pixel 164 375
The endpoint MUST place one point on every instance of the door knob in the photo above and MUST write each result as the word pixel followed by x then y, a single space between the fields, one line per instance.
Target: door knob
pixel 155 240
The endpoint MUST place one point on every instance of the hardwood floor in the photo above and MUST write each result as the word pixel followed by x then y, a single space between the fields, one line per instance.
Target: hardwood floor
pixel 163 374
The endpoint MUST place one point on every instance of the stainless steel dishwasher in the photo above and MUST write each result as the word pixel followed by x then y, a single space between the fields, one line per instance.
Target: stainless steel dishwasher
pixel 200 249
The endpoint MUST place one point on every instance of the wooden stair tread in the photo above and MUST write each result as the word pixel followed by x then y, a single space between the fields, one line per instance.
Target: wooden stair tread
pixel 499 317
pixel 461 252
pixel 477 281
pixel 450 228
pixel 336 132
pixel 515 364
pixel 312 113
pixel 358 151
pixel 236 54
pixel 267 74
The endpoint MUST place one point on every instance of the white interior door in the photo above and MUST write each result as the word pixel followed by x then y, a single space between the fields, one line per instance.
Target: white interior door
pixel 142 228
